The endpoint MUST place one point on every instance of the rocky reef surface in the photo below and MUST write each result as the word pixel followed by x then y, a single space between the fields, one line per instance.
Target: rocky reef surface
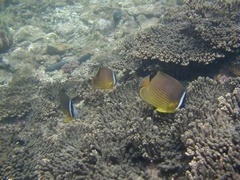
pixel 56 45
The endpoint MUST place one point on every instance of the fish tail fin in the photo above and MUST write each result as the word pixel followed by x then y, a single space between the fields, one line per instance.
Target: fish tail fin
pixel 68 119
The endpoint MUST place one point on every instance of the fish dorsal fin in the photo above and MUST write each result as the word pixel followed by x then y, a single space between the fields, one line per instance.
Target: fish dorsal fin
pixel 152 75
pixel 144 82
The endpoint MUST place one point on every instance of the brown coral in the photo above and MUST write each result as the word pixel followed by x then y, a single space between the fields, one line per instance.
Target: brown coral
pixel 197 33
pixel 117 135
pixel 114 130
pixel 15 100
pixel 169 43
pixel 216 23
pixel 209 127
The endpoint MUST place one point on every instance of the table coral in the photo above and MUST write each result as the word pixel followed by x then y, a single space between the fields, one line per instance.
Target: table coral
pixel 196 33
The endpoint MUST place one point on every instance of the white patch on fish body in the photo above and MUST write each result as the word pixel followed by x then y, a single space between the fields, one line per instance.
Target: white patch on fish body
pixel 73 111
pixel 114 78
pixel 182 100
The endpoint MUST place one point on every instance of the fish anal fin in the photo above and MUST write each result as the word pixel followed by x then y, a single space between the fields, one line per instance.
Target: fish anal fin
pixel 164 110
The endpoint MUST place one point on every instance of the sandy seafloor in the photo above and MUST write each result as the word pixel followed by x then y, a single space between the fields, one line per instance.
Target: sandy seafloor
pixel 47 46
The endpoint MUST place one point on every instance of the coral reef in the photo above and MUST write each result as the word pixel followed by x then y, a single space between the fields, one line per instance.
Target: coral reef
pixel 118 135
pixel 15 99
pixel 167 43
pixel 123 138
pixel 216 23
pixel 210 129
pixel 198 32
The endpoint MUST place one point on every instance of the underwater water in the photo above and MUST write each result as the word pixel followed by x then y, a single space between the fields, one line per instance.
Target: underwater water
pixel 130 89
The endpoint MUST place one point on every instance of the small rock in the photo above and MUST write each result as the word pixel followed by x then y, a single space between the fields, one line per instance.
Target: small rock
pixel 57 48
pixel 125 4
pixel 149 10
pixel 130 25
pixel 119 33
pixel 65 29
pixel 149 22
pixel 20 54
pixel 28 33
pixel 83 30
pixel 35 48
pixel 51 37
pixel 27 14
pixel 104 26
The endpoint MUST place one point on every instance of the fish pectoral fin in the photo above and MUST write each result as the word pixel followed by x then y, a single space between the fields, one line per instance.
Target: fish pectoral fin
pixel 68 119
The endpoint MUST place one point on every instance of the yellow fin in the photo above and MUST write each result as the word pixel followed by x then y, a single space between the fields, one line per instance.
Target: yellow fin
pixel 68 119
pixel 164 110
pixel 144 82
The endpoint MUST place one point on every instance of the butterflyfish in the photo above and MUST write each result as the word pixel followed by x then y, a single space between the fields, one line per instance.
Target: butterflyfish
pixel 163 92
pixel 104 79
pixel 68 107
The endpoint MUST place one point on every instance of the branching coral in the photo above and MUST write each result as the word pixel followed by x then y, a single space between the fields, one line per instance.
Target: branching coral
pixel 16 98
pixel 197 33
pixel 216 23
pixel 169 43
pixel 118 136
pixel 209 127
pixel 118 133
